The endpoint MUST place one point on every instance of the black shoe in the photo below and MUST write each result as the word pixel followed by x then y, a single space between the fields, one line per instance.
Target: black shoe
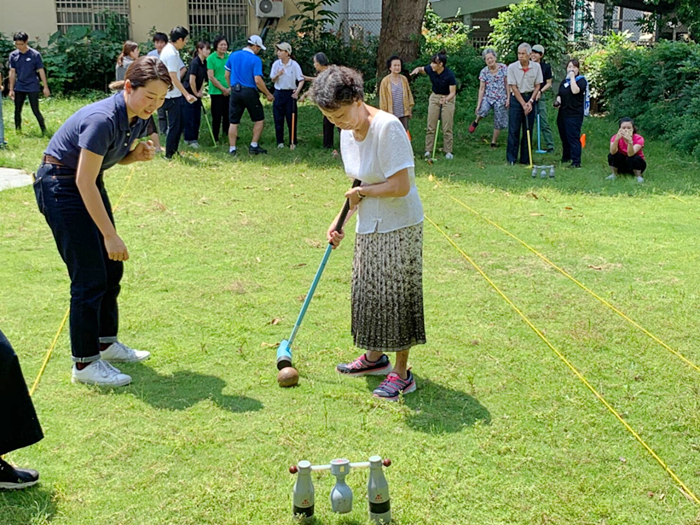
pixel 550 150
pixel 233 153
pixel 16 478
pixel 573 166
pixel 257 150
pixel 494 145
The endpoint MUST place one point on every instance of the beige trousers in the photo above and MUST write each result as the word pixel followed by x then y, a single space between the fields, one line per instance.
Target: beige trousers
pixel 448 115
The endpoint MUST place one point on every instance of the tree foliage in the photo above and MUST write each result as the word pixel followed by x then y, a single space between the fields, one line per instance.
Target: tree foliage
pixel 528 22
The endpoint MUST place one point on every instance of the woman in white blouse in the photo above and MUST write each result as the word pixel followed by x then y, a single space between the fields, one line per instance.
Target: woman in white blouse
pixel 387 287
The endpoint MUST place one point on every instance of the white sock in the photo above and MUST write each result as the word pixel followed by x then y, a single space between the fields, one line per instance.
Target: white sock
pixel 231 148
pixel 253 144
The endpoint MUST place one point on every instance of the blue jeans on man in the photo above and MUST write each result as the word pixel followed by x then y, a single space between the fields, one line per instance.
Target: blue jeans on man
pixel 95 278
pixel 518 124
pixel 174 110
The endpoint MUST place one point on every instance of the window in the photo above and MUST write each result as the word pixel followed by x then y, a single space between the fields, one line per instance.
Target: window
pixel 95 14
pixel 226 17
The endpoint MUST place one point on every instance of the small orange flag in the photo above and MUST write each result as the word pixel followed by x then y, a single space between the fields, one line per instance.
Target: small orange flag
pixel 409 135
pixel 583 140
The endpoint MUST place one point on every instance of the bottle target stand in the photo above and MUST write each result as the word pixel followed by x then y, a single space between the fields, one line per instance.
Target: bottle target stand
pixel 303 495
pixel 544 170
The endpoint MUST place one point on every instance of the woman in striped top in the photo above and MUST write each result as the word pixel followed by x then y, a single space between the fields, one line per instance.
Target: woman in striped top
pixel 394 93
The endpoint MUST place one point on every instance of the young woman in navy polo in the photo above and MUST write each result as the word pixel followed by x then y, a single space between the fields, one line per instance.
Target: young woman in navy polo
pixel 71 195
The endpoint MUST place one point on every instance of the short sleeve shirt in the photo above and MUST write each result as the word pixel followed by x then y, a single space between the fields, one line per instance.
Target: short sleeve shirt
pixel 26 66
pixel 441 82
pixel 622 144
pixel 384 152
pixel 291 74
pixel 495 92
pixel 153 53
pixel 244 66
pixel 546 72
pixel 525 78
pixel 572 105
pixel 217 64
pixel 199 70
pixel 103 128
pixel 170 56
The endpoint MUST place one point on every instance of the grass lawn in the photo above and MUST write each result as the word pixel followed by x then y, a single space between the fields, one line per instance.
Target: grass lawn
pixel 500 430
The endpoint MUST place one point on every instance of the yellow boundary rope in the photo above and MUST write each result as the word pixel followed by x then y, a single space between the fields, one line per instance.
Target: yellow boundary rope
pixel 583 286
pixel 65 317
pixel 578 374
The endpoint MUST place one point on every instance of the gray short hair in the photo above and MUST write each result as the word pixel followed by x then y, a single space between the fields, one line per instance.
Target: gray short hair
pixel 337 86
pixel 488 51
pixel 527 47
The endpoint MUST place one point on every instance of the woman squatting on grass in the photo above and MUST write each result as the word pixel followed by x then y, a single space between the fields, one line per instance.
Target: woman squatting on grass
pixel 71 195
pixel 387 275
pixel 627 151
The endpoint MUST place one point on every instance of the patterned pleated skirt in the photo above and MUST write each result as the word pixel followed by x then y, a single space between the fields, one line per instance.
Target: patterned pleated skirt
pixel 387 290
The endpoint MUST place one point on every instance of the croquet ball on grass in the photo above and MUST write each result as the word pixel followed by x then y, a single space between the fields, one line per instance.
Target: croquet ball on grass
pixel 287 377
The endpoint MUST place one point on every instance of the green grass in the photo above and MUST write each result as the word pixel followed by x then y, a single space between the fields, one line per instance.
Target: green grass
pixel 500 431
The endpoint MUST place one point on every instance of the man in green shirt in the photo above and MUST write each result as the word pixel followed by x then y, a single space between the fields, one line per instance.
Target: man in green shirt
pixel 219 89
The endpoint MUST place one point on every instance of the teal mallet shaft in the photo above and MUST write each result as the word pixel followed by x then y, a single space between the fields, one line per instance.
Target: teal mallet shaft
pixel 284 350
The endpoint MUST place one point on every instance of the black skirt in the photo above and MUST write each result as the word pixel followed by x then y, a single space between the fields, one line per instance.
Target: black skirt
pixel 387 290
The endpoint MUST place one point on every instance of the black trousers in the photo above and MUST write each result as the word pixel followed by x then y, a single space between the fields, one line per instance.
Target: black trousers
pixel 328 131
pixel 283 108
pixel 176 124
pixel 626 164
pixel 570 134
pixel 518 124
pixel 19 426
pixel 20 97
pixel 219 115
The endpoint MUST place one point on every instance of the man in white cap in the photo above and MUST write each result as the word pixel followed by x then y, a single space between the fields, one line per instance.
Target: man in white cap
pixel 245 76
pixel 542 97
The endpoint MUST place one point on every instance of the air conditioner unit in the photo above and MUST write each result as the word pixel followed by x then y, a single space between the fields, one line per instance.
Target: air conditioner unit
pixel 269 8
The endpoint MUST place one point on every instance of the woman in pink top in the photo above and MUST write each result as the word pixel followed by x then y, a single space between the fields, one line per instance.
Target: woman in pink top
pixel 626 151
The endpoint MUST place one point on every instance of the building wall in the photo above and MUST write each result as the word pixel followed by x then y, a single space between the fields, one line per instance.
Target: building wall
pixel 37 18
pixel 145 14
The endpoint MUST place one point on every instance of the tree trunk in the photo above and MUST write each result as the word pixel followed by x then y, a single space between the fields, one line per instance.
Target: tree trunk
pixel 402 22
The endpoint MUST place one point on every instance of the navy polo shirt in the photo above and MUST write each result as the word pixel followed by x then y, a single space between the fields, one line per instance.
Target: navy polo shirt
pixel 26 66
pixel 244 66
pixel 102 128
pixel 441 82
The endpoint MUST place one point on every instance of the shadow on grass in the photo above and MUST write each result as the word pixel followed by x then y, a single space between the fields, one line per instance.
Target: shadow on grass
pixel 436 409
pixel 183 389
pixel 35 505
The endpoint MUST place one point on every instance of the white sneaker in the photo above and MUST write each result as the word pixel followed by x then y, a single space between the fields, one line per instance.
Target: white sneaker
pixel 280 145
pixel 427 154
pixel 193 144
pixel 292 147
pixel 120 353
pixel 610 177
pixel 100 373
pixel 640 179
pixel 449 156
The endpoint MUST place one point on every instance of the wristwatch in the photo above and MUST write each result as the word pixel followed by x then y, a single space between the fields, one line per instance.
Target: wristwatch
pixel 359 195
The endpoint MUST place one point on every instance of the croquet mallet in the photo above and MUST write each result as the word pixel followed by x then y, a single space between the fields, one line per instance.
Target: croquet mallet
pixel 437 136
pixel 284 350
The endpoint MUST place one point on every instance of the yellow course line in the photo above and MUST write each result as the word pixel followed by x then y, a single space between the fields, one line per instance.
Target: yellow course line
pixel 578 374
pixel 65 316
pixel 583 286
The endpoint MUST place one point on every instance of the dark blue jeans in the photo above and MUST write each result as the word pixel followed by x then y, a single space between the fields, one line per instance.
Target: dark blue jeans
pixel 193 119
pixel 94 277
pixel 517 130
pixel 570 134
pixel 20 426
pixel 176 123
pixel 282 110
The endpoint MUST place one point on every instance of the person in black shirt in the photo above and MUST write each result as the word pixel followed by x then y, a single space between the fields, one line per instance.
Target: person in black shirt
pixel 444 93
pixel 542 97
pixel 194 82
pixel 570 101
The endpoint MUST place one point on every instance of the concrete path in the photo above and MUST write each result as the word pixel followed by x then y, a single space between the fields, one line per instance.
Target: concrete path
pixel 10 178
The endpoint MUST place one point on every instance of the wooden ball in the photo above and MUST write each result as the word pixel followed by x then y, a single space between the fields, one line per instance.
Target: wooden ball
pixel 287 377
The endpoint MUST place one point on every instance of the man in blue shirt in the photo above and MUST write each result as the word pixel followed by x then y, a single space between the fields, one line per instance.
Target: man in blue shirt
pixel 245 76
pixel 25 64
